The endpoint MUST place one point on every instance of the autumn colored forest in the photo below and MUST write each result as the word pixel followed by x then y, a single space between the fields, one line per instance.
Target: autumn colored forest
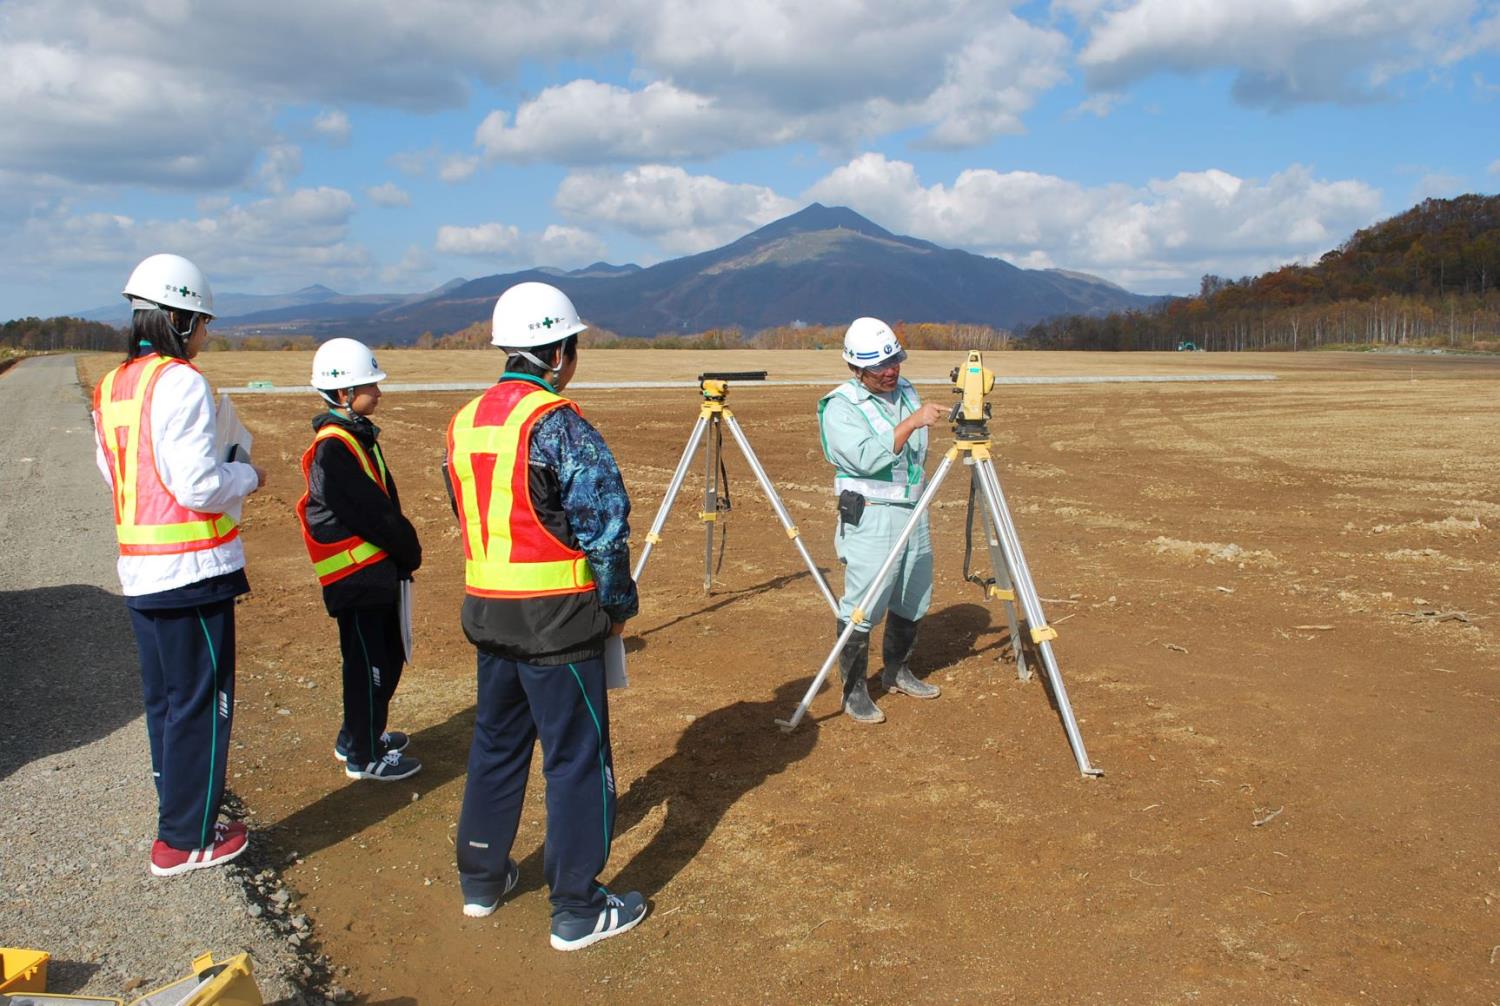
pixel 1428 277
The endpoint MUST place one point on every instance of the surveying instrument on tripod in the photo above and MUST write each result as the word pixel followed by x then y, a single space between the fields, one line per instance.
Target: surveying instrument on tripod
pixel 713 416
pixel 1011 581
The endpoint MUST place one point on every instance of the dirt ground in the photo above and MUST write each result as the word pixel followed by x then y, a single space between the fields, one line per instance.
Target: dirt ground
pixel 1276 616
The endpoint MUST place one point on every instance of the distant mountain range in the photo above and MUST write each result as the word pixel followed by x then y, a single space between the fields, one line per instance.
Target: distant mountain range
pixel 311 303
pixel 821 265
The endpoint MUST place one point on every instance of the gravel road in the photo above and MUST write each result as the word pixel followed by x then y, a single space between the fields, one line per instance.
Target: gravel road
pixel 75 782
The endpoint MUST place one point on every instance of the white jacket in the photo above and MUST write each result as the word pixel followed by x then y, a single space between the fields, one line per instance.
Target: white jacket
pixel 182 437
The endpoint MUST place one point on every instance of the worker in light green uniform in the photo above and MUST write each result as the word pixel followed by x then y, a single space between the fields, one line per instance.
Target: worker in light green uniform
pixel 874 431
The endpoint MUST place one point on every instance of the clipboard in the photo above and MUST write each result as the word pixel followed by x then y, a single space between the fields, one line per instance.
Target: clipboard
pixel 614 662
pixel 405 604
pixel 231 443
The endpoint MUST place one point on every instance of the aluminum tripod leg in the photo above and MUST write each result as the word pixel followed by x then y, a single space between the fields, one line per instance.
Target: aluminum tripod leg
pixel 666 504
pixel 1004 584
pixel 781 514
pixel 870 594
pixel 1041 633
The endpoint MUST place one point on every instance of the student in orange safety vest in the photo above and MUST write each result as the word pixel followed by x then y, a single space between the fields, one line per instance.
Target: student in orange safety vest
pixel 181 563
pixel 543 515
pixel 362 547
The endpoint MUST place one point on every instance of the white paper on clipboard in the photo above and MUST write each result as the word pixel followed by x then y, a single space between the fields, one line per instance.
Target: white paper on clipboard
pixel 230 433
pixel 406 618
pixel 231 443
pixel 614 662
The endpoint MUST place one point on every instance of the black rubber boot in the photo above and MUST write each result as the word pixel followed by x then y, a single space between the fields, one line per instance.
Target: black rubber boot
pixel 900 639
pixel 854 662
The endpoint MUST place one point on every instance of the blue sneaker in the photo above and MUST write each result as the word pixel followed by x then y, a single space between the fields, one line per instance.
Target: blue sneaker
pixel 388 768
pixel 391 740
pixel 479 907
pixel 621 913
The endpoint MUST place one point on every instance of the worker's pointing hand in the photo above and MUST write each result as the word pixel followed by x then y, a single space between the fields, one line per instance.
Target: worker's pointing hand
pixel 930 414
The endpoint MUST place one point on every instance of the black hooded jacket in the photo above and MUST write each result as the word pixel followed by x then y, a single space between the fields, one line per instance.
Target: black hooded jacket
pixel 343 500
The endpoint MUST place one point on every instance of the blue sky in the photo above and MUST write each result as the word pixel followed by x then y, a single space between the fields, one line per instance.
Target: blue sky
pixel 392 145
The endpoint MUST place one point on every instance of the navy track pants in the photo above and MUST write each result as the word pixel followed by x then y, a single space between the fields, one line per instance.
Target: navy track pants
pixel 187 677
pixel 566 707
pixel 370 641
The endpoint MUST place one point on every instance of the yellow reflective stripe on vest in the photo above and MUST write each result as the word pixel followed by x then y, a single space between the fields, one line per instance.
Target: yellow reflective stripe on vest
pixel 332 430
pixel 343 560
pixel 502 576
pixel 174 534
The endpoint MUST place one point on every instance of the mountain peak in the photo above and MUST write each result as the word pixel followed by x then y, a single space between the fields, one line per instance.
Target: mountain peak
pixel 817 217
pixel 315 292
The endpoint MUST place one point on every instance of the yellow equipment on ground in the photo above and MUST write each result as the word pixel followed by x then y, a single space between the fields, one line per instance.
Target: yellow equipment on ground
pixel 228 983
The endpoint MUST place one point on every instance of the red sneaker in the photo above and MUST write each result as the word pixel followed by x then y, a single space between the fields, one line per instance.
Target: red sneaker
pixel 230 839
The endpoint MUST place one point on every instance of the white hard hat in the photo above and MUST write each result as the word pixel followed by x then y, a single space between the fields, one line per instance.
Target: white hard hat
pixel 870 342
pixel 170 281
pixel 533 314
pixel 344 363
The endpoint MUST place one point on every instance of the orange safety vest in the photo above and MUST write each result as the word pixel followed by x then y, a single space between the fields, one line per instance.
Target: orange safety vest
pixel 148 518
pixel 335 560
pixel 507 550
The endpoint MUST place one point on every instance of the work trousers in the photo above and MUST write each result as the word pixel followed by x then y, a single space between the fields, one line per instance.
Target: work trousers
pixel 864 548
pixel 370 641
pixel 187 677
pixel 566 707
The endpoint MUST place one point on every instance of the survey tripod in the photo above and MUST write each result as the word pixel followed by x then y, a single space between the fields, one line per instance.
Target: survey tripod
pixel 713 416
pixel 1012 577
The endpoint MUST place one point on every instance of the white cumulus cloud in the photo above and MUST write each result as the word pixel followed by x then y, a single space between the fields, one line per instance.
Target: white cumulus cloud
pixel 1283 52
pixel 507 244
pixel 458 167
pixel 333 125
pixel 388 194
pixel 681 213
pixel 1160 237
pixel 280 163
pixel 278 242
pixel 585 121
pixel 721 76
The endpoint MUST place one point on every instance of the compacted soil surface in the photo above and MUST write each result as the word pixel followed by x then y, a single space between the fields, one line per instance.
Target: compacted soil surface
pixel 1276 616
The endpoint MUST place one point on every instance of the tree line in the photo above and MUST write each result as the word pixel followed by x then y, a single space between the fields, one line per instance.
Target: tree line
pixel 45 335
pixel 924 335
pixel 1427 277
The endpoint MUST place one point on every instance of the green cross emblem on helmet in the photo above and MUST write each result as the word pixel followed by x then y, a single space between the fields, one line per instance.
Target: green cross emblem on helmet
pixel 549 322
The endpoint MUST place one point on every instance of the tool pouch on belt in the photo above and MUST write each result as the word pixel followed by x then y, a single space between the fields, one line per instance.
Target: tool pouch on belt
pixel 851 508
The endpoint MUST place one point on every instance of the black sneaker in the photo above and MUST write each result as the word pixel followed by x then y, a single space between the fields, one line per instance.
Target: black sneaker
pixel 480 906
pixel 391 740
pixel 621 913
pixel 391 766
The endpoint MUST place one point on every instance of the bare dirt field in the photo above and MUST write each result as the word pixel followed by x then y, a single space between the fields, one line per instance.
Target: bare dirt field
pixel 1277 616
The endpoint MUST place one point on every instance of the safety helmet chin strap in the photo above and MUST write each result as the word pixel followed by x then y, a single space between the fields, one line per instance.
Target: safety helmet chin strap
pixel 532 358
pixel 335 405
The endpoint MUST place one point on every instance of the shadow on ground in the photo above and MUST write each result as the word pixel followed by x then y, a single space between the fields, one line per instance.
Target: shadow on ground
pixel 68 671
pixel 720 757
pixel 351 809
